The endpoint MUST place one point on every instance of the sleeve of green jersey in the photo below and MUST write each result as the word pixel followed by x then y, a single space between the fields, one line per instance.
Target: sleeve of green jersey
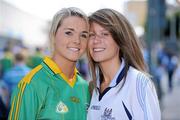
pixel 24 103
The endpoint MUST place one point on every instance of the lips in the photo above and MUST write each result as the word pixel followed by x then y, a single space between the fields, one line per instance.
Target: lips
pixel 74 49
pixel 98 49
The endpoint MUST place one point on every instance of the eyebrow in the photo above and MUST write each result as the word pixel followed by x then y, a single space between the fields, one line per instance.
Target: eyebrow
pixel 101 31
pixel 72 29
pixel 85 32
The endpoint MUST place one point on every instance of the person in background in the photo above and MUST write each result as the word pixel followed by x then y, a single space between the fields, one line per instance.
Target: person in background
pixel 170 68
pixel 123 89
pixel 54 89
pixel 17 72
pixel 4 101
pixel 6 62
pixel 35 59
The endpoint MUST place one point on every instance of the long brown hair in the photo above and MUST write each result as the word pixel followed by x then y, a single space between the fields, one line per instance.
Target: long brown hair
pixel 124 36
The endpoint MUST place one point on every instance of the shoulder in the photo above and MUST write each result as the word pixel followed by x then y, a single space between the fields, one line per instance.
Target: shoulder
pixel 37 77
pixel 140 77
pixel 34 73
pixel 144 86
pixel 34 81
pixel 141 81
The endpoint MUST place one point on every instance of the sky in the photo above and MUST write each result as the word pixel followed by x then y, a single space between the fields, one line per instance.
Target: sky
pixel 45 9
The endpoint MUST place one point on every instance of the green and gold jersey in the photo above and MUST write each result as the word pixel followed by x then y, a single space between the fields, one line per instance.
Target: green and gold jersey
pixel 45 93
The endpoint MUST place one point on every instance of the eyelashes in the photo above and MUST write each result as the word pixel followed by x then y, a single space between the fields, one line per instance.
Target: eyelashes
pixel 72 33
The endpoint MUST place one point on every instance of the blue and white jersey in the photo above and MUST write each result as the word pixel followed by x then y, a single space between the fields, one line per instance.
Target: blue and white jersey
pixel 136 100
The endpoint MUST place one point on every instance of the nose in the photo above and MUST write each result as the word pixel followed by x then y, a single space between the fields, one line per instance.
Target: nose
pixel 97 39
pixel 77 40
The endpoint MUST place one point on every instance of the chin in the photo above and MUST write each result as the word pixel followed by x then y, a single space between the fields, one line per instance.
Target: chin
pixel 74 59
pixel 98 59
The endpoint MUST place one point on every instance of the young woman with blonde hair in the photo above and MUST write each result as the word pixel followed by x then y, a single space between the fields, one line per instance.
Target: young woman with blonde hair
pixel 54 90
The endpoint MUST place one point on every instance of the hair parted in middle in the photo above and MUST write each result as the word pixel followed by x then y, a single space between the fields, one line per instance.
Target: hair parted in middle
pixel 123 34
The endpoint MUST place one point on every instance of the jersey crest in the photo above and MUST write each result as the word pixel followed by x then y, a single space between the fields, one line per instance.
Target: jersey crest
pixel 61 108
pixel 107 115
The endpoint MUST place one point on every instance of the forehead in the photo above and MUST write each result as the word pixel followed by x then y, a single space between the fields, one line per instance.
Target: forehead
pixel 74 21
pixel 97 27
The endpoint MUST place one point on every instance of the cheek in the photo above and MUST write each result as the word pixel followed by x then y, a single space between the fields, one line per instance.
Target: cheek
pixel 61 42
pixel 90 44
pixel 90 47
pixel 91 51
pixel 59 38
pixel 84 44
pixel 57 43
pixel 112 44
pixel 114 49
pixel 56 40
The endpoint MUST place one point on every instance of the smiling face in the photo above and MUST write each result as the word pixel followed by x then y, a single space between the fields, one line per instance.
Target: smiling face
pixel 71 39
pixel 101 45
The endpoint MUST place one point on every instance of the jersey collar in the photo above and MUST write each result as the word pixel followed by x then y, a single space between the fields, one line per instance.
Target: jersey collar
pixel 114 80
pixel 56 70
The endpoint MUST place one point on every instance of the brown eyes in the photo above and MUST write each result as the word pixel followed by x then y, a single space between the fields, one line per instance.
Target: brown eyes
pixel 84 35
pixel 69 33
pixel 102 35
pixel 81 35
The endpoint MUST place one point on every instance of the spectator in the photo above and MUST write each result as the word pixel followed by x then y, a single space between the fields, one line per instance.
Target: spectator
pixel 17 72
pixel 4 100
pixel 6 62
pixel 35 59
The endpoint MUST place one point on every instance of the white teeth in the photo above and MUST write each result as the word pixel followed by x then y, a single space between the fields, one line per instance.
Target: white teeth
pixel 98 49
pixel 74 49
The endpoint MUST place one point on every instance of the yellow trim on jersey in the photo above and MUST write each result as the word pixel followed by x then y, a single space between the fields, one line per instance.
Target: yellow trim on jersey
pixel 72 81
pixel 29 76
pixel 12 108
pixel 54 67
pixel 22 91
pixel 18 102
pixel 21 86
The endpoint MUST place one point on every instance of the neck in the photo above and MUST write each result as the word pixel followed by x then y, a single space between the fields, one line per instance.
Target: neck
pixel 109 69
pixel 66 66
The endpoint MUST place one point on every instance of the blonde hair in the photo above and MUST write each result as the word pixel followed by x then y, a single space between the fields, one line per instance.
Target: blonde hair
pixel 124 36
pixel 59 18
